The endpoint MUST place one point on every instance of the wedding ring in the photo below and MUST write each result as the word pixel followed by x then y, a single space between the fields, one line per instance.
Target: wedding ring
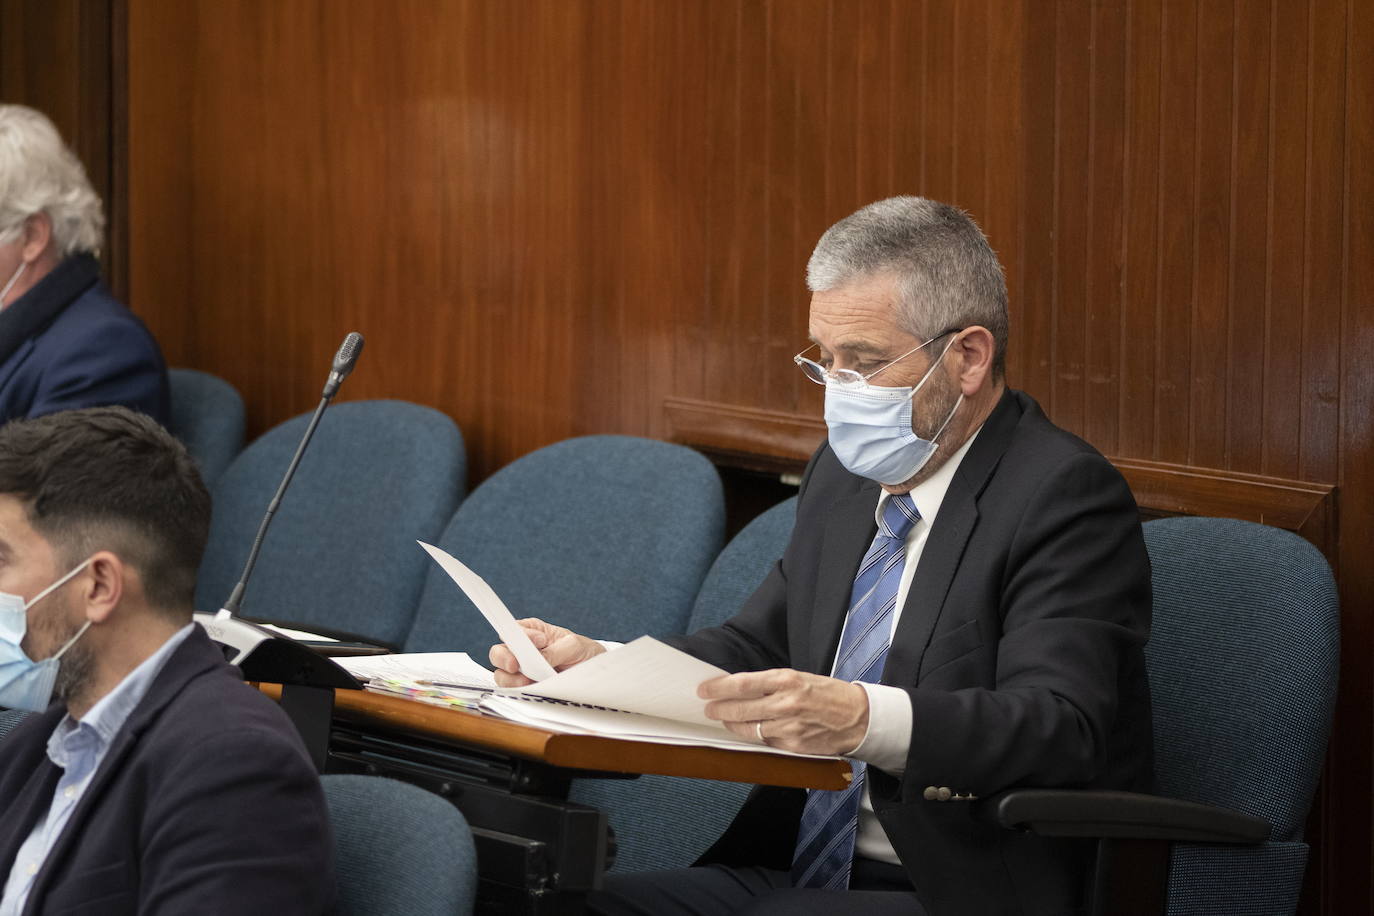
pixel 758 730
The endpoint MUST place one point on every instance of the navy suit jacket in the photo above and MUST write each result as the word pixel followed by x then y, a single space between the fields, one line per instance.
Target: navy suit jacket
pixel 1020 645
pixel 205 803
pixel 71 344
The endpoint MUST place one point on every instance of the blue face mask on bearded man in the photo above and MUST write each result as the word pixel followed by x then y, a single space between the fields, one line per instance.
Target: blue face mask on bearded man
pixel 24 683
pixel 870 427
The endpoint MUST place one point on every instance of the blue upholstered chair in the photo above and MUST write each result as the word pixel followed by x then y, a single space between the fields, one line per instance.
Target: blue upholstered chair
pixel 743 565
pixel 398 850
pixel 207 416
pixel 1243 661
pixel 607 535
pixel 663 821
pixel 341 552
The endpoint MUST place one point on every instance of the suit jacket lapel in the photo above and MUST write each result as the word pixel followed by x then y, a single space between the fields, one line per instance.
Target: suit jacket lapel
pixel 849 531
pixel 15 360
pixel 944 547
pixel 188 661
pixel 935 571
pixel 32 803
pixel 28 315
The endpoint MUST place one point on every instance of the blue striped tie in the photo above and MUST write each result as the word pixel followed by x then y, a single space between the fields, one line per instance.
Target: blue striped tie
pixel 830 820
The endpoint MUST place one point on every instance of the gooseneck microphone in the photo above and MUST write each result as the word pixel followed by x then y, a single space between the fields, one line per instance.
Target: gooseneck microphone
pixel 343 364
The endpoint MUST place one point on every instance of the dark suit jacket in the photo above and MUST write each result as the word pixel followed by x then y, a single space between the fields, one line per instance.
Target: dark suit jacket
pixel 205 803
pixel 67 343
pixel 1020 645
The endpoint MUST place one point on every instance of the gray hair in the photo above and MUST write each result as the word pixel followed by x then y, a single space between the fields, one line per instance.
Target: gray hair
pixel 947 274
pixel 39 174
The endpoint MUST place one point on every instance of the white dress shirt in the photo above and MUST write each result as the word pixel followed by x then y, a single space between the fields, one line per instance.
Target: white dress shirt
pixel 78 746
pixel 889 708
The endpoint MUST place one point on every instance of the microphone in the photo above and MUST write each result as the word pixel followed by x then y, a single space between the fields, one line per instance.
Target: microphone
pixel 343 364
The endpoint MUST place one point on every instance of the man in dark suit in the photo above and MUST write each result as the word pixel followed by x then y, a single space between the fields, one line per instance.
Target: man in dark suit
pixel 64 340
pixel 962 609
pixel 157 781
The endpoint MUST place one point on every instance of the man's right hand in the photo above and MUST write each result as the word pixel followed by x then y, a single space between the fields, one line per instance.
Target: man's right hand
pixel 561 648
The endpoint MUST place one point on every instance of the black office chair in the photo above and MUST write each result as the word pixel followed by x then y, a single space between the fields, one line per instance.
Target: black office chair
pixel 1243 660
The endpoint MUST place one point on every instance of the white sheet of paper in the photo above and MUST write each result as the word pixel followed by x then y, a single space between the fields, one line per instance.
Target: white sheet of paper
pixel 643 676
pixel 532 664
pixel 631 726
pixel 432 667
pixel 297 634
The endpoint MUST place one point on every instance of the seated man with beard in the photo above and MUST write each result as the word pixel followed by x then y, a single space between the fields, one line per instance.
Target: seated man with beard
pixel 962 609
pixel 153 779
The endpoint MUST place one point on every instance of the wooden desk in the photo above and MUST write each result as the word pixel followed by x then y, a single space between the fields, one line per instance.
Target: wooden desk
pixel 538 853
pixel 585 752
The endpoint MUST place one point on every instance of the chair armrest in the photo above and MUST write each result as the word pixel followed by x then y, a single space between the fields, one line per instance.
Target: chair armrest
pixel 1122 815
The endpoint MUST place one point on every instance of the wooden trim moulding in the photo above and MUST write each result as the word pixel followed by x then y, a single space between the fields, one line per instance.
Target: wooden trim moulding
pixel 1307 509
pixel 747 437
pixel 774 441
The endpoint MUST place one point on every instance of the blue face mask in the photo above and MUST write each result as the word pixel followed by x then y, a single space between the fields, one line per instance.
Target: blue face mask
pixel 870 428
pixel 25 683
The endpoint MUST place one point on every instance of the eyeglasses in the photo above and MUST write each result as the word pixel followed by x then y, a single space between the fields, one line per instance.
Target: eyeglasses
pixel 821 374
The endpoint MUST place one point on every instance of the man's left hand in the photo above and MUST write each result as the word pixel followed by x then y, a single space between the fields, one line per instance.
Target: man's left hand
pixel 793 710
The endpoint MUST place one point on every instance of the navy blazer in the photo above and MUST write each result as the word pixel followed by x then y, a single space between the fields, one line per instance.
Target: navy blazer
pixel 1020 644
pixel 79 347
pixel 205 803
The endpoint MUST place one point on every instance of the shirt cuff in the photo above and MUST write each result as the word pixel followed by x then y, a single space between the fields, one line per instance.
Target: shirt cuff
pixel 888 740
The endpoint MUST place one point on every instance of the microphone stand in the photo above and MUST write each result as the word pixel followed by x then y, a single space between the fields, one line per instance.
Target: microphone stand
pixel 231 606
pixel 308 679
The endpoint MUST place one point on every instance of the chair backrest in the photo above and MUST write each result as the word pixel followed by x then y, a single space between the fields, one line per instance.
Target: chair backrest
pixel 341 552
pixel 660 821
pixel 398 850
pixel 743 565
pixel 1243 658
pixel 207 416
pixel 607 535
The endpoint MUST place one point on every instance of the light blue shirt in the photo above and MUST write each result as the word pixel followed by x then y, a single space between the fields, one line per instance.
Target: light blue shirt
pixel 78 746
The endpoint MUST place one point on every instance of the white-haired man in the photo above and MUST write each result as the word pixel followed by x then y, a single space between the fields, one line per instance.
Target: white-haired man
pixel 962 609
pixel 65 342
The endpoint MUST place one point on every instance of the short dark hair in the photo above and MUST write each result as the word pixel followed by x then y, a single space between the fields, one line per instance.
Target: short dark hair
pixel 107 478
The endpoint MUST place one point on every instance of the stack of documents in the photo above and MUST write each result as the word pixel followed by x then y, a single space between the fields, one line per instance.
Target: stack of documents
pixel 645 690
pixel 444 678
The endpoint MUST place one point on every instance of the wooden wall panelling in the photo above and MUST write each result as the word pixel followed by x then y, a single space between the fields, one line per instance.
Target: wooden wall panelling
pixel 797 120
pixel 1032 289
pixel 1104 226
pixel 65 58
pixel 1347 817
pixel 1141 238
pixel 1177 228
pixel 1323 232
pixel 1248 287
pixel 1208 357
pixel 1072 123
pixel 556 217
pixel 937 36
pixel 1002 132
pixel 161 180
pixel 1282 389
